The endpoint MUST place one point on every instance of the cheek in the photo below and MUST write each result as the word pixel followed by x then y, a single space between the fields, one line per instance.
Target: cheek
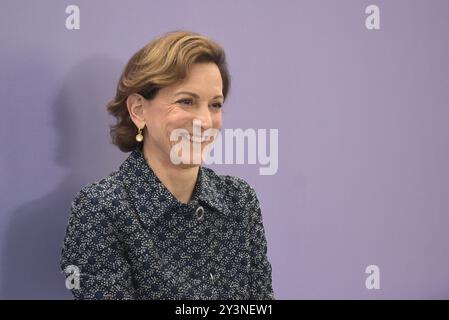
pixel 153 119
pixel 156 129
pixel 180 120
pixel 217 120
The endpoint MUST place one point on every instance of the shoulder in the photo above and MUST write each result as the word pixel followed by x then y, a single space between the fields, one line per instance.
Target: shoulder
pixel 96 196
pixel 90 224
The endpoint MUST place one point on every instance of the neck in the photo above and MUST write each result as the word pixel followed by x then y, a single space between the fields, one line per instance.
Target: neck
pixel 179 180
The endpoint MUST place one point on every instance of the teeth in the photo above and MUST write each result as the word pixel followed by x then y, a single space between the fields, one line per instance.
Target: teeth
pixel 197 139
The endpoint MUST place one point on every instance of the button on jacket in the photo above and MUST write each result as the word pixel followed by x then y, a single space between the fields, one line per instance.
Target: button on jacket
pixel 130 238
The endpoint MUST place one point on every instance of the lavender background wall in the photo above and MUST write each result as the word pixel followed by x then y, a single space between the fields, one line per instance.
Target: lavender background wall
pixel 363 133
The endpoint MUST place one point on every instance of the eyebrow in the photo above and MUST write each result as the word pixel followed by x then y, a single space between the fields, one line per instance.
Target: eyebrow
pixel 195 95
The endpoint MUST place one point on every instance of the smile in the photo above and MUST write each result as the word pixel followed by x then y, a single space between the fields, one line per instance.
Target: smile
pixel 196 139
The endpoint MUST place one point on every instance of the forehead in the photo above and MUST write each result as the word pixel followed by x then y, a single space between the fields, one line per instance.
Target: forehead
pixel 203 79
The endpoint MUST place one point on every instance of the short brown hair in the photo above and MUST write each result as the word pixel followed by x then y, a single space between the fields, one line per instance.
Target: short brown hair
pixel 162 62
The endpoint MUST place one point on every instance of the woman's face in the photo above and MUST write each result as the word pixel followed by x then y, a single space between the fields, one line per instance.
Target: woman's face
pixel 185 105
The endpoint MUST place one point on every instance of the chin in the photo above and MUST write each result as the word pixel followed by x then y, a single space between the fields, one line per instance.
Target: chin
pixel 188 166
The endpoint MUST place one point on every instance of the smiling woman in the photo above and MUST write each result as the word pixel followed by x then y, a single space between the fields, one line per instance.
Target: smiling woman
pixel 155 229
pixel 177 106
pixel 163 64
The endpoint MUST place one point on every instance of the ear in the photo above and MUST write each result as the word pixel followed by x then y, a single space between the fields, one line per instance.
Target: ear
pixel 134 103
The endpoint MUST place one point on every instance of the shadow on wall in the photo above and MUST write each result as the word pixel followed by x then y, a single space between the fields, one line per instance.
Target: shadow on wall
pixel 34 236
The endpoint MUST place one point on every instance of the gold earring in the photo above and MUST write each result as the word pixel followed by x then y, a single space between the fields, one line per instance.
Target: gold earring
pixel 139 136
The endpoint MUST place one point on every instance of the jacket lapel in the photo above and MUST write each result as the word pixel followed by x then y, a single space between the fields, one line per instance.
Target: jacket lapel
pixel 151 199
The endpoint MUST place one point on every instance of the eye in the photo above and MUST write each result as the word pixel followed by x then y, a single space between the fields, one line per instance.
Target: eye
pixel 217 105
pixel 187 102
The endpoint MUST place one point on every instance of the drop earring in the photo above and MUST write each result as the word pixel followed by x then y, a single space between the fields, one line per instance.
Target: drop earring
pixel 139 136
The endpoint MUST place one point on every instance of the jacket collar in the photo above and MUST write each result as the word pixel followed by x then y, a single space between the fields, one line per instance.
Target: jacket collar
pixel 152 199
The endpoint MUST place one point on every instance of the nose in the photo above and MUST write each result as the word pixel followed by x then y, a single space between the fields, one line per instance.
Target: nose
pixel 205 118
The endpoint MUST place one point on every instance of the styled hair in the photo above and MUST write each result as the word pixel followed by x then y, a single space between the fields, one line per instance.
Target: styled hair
pixel 164 61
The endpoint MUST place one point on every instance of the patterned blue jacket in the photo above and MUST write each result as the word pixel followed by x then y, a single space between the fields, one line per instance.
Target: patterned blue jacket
pixel 130 238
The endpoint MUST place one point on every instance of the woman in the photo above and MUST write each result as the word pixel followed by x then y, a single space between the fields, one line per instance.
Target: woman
pixel 164 227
